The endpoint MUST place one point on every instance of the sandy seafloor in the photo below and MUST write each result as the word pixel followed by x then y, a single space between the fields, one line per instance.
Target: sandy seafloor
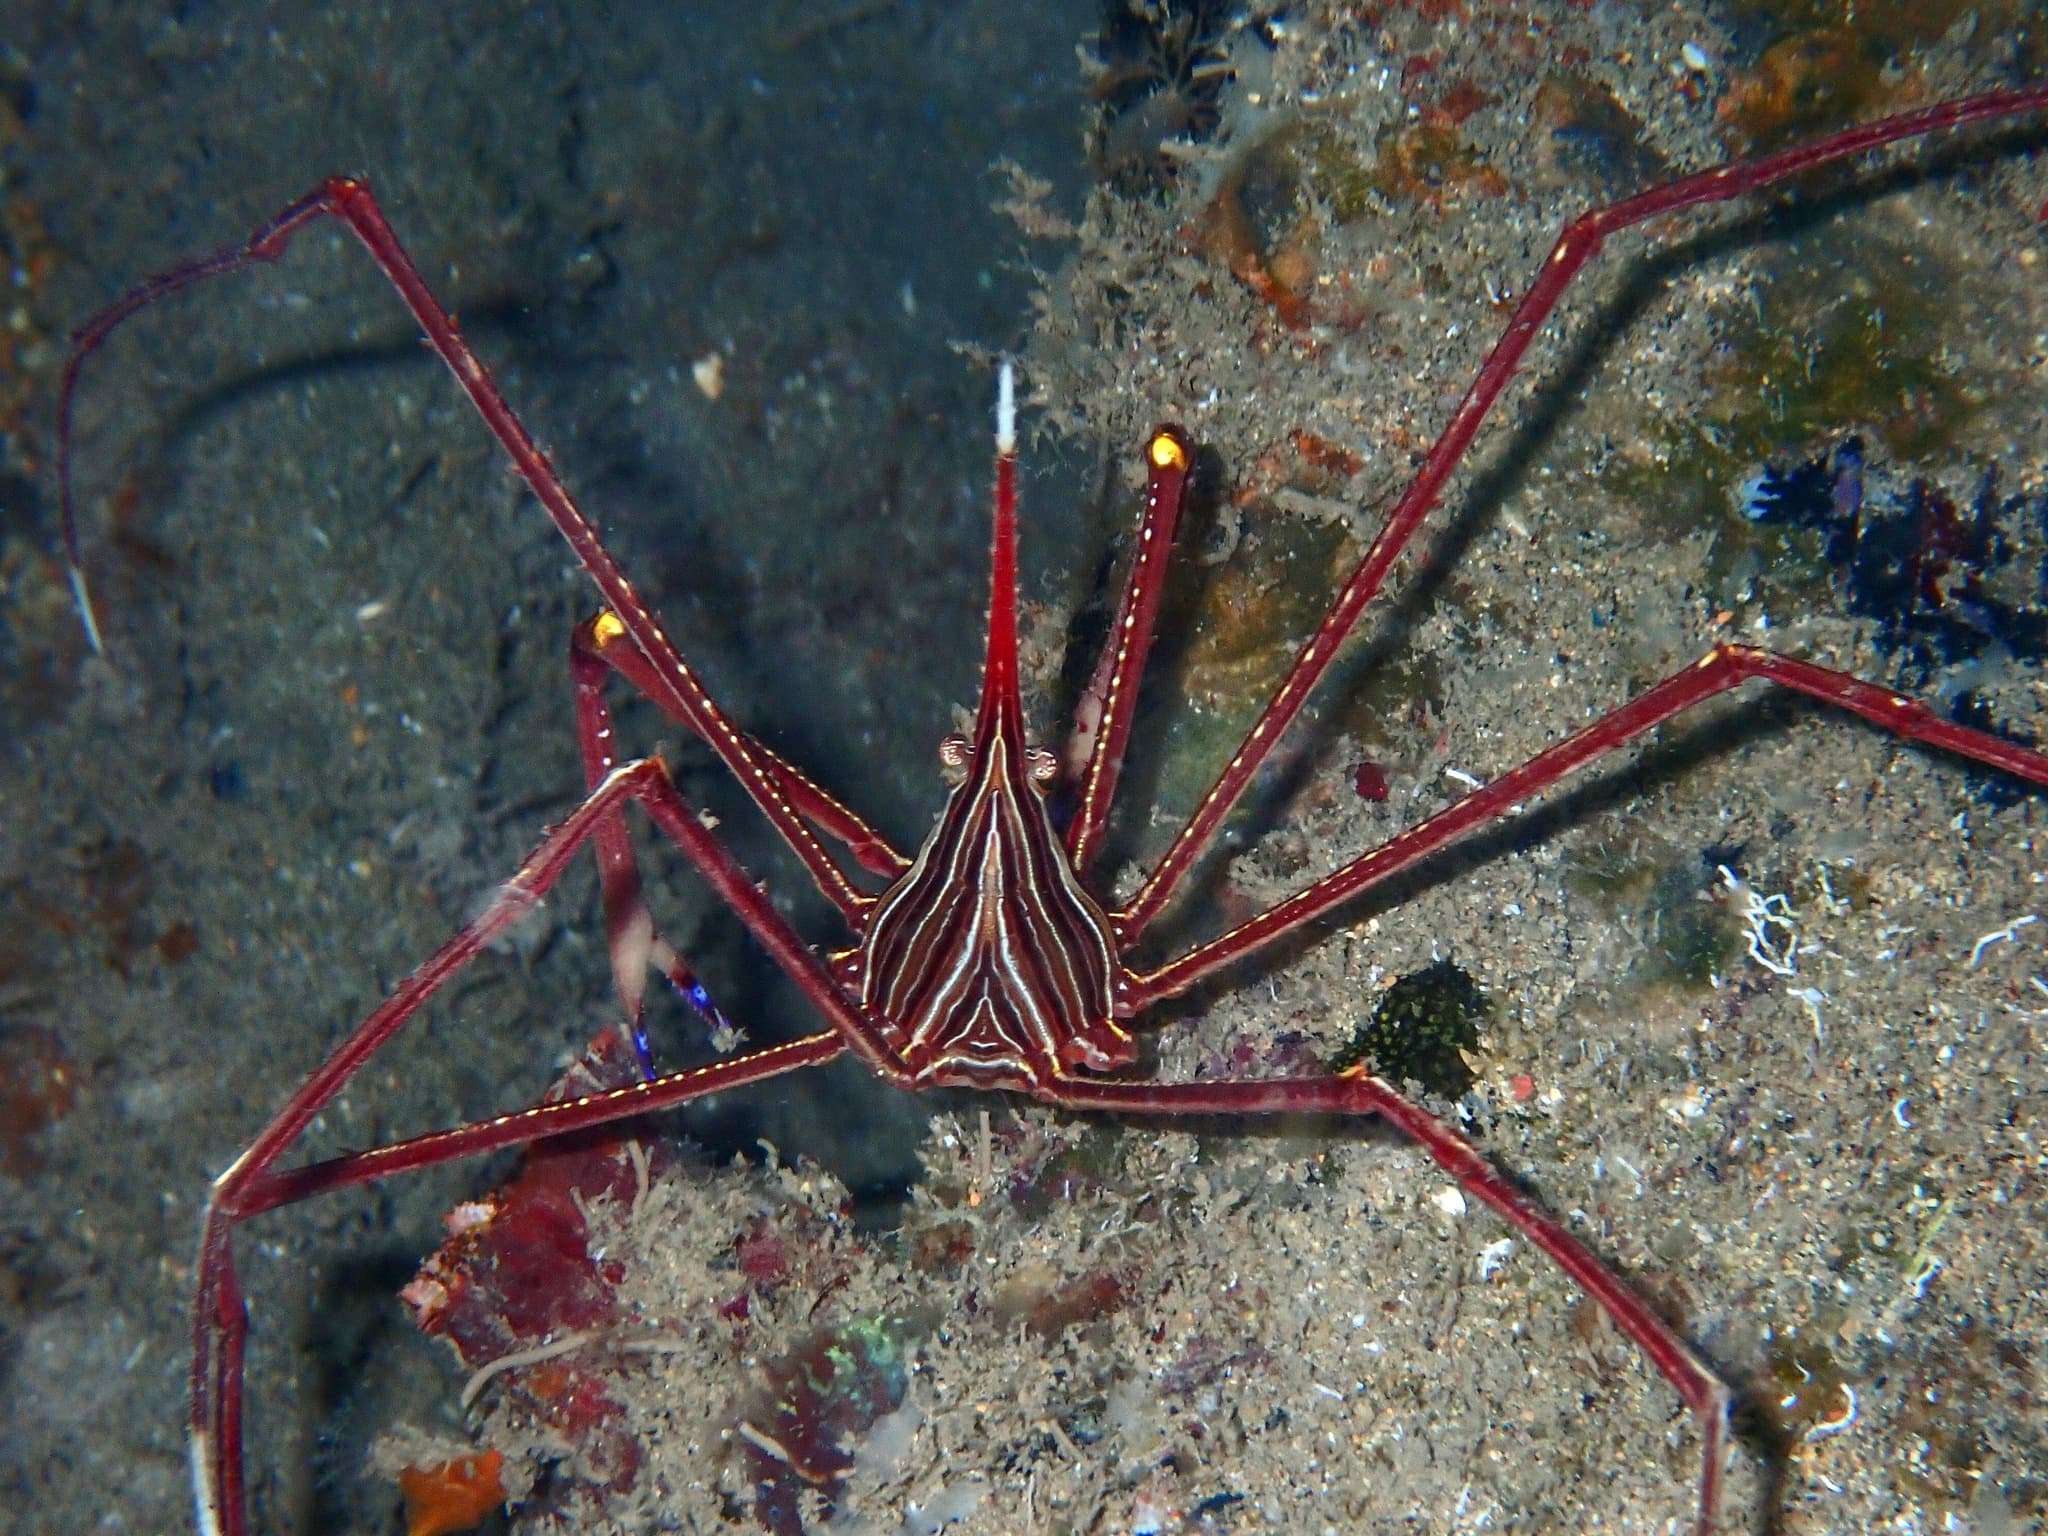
pixel 334 713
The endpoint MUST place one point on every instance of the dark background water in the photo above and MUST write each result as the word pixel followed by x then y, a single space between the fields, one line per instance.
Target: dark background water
pixel 276 796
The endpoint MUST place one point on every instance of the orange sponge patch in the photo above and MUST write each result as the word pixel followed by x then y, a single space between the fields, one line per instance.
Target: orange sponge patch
pixel 453 1496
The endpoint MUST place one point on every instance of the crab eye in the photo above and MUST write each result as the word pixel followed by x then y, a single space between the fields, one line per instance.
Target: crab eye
pixel 1042 766
pixel 953 751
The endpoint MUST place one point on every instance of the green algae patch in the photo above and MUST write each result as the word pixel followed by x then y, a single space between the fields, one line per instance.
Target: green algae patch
pixel 1420 1031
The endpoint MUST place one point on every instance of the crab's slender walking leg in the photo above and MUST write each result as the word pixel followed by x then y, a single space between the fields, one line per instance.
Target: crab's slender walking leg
pixel 1357 1093
pixel 1102 723
pixel 630 936
pixel 291 1185
pixel 221 1323
pixel 596 649
pixel 350 202
pixel 253 1183
pixel 1580 242
pixel 603 638
pixel 1723 668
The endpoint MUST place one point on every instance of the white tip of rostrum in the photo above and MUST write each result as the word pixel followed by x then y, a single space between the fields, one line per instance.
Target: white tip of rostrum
pixel 1006 409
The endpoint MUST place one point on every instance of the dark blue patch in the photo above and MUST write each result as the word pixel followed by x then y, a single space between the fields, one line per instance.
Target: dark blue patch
pixel 1924 570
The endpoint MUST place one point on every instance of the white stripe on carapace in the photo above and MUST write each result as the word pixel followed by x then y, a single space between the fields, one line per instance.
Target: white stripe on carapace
pixel 988 956
pixel 987 960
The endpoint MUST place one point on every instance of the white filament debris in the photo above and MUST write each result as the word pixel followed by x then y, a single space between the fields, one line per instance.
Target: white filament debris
pixel 2009 934
pixel 1761 914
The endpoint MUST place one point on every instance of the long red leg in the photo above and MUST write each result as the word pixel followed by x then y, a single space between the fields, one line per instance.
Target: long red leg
pixel 253 1183
pixel 351 202
pixel 629 932
pixel 598 647
pixel 220 1319
pixel 595 649
pixel 1356 1093
pixel 1580 242
pixel 1102 723
pixel 600 637
pixel 1723 668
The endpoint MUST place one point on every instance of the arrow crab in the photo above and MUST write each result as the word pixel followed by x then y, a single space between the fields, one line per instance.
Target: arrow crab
pixel 991 957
